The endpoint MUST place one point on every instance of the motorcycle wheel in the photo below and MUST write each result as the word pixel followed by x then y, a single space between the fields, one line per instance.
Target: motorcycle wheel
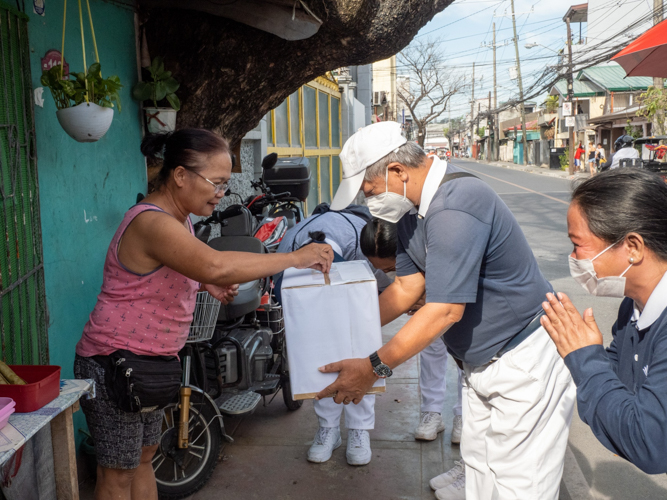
pixel 180 473
pixel 285 383
pixel 286 388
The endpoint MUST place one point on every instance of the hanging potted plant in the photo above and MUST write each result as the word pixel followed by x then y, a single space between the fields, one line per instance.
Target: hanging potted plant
pixel 85 101
pixel 161 86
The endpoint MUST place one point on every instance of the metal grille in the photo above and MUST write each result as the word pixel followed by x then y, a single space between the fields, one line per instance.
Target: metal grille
pixel 23 334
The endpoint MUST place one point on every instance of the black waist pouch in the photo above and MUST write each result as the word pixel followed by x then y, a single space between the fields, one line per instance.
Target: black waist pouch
pixel 141 383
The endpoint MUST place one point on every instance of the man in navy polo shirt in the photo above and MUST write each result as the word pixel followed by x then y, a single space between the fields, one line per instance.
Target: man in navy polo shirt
pixel 460 244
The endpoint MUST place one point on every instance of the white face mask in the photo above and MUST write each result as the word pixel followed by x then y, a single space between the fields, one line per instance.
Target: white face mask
pixel 389 206
pixel 584 273
pixel 391 275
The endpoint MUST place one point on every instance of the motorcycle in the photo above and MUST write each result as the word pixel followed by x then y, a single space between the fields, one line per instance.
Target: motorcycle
pixel 236 353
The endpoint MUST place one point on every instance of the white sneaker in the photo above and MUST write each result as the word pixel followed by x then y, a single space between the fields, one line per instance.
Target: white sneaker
pixel 449 477
pixel 455 490
pixel 358 447
pixel 429 426
pixel 457 427
pixel 326 441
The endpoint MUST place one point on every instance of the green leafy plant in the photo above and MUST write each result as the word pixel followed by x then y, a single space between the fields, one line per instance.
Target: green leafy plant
pixel 162 86
pixel 551 103
pixel 653 104
pixel 565 159
pixel 631 130
pixel 74 89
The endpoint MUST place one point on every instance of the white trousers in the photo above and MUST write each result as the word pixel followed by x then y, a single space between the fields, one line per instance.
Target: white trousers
pixel 361 416
pixel 432 377
pixel 516 420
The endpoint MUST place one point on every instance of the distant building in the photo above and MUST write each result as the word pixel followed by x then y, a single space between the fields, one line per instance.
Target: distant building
pixel 435 137
pixel 384 90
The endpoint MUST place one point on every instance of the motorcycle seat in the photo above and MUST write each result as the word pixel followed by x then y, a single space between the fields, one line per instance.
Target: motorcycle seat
pixel 237 244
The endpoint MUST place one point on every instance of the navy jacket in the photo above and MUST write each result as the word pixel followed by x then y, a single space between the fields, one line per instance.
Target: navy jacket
pixel 622 391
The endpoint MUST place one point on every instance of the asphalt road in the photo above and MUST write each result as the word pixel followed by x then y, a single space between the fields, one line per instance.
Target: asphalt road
pixel 540 205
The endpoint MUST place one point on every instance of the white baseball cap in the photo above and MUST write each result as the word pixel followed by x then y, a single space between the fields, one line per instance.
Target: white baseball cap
pixel 363 149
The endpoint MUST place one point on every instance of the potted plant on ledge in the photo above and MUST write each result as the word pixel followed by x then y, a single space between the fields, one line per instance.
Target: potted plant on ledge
pixel 85 101
pixel 161 86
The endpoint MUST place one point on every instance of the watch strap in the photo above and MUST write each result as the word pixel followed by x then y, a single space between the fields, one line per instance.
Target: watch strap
pixel 375 359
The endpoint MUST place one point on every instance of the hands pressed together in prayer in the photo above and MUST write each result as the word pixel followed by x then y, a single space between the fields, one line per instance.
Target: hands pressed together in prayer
pixel 566 327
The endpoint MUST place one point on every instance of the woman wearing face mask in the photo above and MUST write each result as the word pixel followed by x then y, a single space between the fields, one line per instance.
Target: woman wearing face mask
pixel 617 222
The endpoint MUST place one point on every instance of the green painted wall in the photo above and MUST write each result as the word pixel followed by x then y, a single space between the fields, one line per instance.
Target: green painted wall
pixel 84 188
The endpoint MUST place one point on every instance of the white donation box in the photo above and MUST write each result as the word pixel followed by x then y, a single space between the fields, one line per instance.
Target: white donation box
pixel 329 318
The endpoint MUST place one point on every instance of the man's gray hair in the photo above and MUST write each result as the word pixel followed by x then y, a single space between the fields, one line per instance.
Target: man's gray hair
pixel 409 154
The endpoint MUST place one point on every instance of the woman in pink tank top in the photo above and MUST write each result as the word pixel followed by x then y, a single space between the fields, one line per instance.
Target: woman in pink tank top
pixel 154 267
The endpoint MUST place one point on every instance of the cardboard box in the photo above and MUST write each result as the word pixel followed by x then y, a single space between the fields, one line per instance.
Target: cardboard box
pixel 328 320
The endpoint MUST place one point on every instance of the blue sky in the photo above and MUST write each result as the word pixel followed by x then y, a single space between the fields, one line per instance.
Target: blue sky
pixel 463 26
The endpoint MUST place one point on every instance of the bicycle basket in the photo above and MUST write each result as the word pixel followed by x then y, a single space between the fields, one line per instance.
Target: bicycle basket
pixel 204 317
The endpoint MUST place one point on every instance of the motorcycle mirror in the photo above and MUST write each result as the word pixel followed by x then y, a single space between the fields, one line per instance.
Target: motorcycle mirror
pixel 202 232
pixel 269 161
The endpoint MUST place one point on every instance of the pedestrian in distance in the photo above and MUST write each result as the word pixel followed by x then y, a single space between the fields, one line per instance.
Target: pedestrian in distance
pixel 153 270
pixel 578 155
pixel 599 157
pixel 617 222
pixel 591 157
pixel 483 295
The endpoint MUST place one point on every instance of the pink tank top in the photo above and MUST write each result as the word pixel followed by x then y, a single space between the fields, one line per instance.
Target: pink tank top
pixel 143 313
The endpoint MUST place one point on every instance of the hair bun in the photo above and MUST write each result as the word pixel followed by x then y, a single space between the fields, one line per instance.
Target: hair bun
pixel 153 145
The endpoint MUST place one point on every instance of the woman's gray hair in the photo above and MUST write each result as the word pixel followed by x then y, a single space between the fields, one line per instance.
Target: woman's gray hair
pixel 409 154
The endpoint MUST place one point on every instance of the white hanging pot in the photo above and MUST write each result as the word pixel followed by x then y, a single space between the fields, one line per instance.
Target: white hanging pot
pixel 160 120
pixel 86 122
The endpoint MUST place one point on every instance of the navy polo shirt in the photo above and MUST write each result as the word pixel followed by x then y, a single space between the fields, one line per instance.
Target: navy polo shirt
pixel 622 390
pixel 472 250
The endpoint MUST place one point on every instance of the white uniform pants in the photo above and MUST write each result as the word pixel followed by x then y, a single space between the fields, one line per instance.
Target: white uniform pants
pixel 432 377
pixel 516 420
pixel 361 416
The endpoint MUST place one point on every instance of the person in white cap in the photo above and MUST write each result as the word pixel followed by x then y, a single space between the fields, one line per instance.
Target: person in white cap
pixel 459 243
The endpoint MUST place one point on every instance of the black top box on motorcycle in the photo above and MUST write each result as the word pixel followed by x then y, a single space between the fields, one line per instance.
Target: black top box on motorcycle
pixel 289 174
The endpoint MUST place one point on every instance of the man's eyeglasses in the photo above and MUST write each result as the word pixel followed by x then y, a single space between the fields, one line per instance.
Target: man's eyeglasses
pixel 217 187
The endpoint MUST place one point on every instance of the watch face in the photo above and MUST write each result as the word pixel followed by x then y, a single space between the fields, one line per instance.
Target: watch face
pixel 383 371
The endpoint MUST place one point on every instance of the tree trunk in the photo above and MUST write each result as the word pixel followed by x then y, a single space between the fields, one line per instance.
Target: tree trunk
pixel 231 75
pixel 421 136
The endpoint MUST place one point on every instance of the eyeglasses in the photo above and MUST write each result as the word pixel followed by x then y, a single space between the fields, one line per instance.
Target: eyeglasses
pixel 217 187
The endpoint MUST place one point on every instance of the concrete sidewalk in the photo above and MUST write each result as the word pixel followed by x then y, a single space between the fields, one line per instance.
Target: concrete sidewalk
pixel 268 458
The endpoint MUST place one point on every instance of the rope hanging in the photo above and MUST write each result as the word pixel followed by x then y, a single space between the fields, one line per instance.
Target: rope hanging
pixel 83 43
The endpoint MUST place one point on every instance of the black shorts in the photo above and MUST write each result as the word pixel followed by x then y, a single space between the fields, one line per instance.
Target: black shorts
pixel 119 436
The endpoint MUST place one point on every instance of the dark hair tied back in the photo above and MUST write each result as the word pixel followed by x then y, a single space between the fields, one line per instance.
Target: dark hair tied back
pixel 626 200
pixel 379 239
pixel 186 147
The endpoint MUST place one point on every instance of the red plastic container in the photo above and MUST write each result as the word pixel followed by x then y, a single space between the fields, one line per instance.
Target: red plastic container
pixel 42 386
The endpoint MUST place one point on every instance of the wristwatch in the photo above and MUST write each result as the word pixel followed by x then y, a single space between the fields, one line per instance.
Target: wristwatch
pixel 380 369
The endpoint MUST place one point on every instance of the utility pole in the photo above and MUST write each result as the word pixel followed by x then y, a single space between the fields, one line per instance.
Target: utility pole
pixel 570 95
pixel 489 123
pixel 496 130
pixel 524 132
pixel 658 83
pixel 472 110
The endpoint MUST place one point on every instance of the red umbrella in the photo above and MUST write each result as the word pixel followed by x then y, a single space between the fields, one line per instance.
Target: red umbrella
pixel 647 55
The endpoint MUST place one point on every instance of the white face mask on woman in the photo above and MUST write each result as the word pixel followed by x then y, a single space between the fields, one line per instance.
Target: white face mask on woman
pixel 389 206
pixel 584 273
